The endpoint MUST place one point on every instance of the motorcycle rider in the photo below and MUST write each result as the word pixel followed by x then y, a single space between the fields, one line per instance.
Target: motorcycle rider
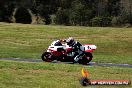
pixel 77 48
pixel 57 43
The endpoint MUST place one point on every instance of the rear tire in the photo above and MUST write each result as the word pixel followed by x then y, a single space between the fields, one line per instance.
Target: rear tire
pixel 47 57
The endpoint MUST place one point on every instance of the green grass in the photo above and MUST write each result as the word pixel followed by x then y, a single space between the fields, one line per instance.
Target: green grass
pixel 49 75
pixel 29 41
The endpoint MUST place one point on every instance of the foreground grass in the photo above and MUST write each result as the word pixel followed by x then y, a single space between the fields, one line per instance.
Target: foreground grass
pixel 29 41
pixel 49 75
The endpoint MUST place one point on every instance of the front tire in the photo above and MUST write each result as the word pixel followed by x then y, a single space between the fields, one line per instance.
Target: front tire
pixel 47 57
pixel 89 57
pixel 86 58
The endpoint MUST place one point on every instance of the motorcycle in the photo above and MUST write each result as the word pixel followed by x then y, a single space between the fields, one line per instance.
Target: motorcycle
pixel 65 53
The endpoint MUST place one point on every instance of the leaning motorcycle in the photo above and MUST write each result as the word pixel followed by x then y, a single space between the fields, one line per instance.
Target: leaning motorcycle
pixel 65 53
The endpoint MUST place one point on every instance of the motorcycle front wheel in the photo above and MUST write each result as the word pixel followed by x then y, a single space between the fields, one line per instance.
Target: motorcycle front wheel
pixel 86 58
pixel 47 57
pixel 89 57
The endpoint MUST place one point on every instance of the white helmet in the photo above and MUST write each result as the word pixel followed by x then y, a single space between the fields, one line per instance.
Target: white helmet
pixel 70 41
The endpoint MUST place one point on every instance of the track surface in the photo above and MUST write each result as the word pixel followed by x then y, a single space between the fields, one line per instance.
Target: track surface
pixel 90 64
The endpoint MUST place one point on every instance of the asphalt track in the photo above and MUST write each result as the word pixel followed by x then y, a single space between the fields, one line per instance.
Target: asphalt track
pixel 89 64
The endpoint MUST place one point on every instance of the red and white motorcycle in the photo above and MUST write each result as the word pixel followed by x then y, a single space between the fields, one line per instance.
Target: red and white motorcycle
pixel 65 53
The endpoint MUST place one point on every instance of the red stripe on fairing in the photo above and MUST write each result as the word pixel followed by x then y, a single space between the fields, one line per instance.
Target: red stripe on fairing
pixel 68 50
pixel 89 51
pixel 55 53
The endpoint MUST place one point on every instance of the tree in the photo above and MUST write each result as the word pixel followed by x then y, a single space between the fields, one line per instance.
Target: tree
pixel 82 12
pixel 113 7
pixel 62 17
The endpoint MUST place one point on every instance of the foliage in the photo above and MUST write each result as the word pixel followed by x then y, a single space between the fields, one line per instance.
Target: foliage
pixel 96 22
pixel 123 19
pixel 80 13
pixel 115 21
pixel 106 21
pixel 101 21
pixel 70 12
pixel 62 17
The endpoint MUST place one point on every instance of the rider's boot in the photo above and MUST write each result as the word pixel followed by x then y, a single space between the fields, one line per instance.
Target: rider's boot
pixel 76 59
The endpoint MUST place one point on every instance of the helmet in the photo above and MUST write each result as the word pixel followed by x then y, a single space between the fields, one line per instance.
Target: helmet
pixel 70 41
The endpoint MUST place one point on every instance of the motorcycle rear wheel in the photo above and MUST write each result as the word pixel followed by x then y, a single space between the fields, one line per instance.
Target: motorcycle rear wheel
pixel 47 57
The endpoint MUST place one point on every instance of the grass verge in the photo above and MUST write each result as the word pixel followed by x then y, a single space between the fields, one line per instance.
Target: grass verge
pixel 49 75
pixel 29 41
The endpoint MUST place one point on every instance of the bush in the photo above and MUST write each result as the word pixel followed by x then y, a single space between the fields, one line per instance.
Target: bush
pixel 101 21
pixel 106 21
pixel 120 21
pixel 96 22
pixel 53 18
pixel 115 21
pixel 123 19
pixel 62 17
